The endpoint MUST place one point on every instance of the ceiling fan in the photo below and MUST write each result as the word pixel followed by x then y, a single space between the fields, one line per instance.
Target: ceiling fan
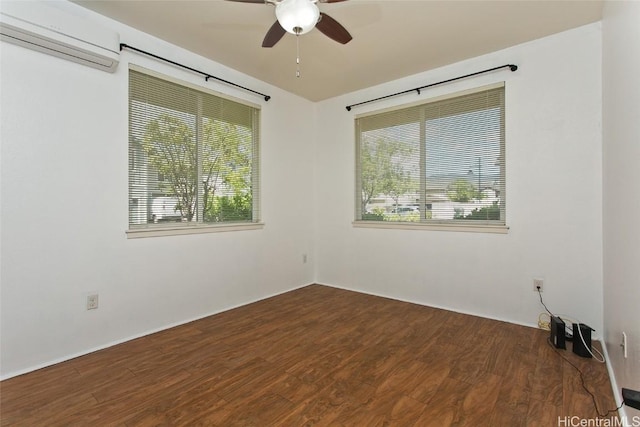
pixel 299 17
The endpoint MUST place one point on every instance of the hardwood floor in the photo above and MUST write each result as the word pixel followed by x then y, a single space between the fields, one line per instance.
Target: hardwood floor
pixel 317 356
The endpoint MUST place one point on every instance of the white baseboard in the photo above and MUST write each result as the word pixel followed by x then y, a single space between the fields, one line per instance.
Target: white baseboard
pixel 617 393
pixel 455 310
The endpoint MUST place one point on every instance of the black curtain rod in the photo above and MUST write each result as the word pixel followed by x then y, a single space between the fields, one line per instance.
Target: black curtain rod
pixel 418 89
pixel 207 75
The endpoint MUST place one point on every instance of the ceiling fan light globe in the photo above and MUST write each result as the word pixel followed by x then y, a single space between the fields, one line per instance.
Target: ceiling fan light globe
pixel 297 16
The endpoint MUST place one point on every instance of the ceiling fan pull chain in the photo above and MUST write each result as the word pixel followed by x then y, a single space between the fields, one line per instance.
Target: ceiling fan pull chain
pixel 298 55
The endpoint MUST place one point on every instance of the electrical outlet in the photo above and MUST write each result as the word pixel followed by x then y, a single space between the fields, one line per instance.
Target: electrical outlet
pixel 92 302
pixel 538 283
pixel 624 345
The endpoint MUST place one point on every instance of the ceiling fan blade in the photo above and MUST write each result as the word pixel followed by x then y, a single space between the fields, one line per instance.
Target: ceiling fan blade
pixel 329 1
pixel 332 29
pixel 274 35
pixel 249 1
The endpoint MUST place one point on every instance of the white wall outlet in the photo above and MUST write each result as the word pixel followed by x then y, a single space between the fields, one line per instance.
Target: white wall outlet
pixel 304 258
pixel 92 302
pixel 538 283
pixel 624 345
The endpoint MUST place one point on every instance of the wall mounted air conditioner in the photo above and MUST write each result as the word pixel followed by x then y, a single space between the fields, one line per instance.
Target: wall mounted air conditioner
pixel 46 29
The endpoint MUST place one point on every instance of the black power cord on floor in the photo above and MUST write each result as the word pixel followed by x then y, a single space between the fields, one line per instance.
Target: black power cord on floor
pixel 584 386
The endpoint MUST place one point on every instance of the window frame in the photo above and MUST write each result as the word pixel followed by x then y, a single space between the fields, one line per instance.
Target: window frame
pixel 196 226
pixel 460 225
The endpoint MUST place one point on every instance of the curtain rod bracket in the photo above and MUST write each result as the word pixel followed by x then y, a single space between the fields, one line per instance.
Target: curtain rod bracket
pixel 207 76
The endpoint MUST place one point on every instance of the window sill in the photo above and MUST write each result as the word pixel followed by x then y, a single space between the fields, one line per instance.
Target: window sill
pixel 471 228
pixel 190 229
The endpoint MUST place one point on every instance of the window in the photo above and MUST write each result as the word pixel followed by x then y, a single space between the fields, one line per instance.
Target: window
pixel 437 163
pixel 193 156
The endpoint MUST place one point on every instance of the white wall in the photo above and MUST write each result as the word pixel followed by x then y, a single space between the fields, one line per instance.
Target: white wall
pixel 64 210
pixel 621 135
pixel 554 194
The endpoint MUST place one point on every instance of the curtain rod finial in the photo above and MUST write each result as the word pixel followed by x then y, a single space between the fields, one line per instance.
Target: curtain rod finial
pixel 513 67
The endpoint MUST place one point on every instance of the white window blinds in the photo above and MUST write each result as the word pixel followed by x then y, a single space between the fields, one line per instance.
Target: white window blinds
pixel 193 156
pixel 437 162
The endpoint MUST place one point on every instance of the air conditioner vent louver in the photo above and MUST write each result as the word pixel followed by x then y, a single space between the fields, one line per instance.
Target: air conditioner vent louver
pixel 45 29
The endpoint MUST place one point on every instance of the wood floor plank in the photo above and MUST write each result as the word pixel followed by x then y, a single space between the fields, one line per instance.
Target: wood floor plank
pixel 445 406
pixel 385 410
pixel 480 401
pixel 543 413
pixel 317 356
pixel 515 390
pixel 505 414
pixel 547 381
pixel 292 388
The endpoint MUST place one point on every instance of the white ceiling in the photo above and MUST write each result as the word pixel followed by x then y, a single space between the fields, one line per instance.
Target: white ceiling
pixel 391 38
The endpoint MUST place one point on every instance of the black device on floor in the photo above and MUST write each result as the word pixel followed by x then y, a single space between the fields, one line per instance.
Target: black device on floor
pixel 582 346
pixel 631 398
pixel 558 332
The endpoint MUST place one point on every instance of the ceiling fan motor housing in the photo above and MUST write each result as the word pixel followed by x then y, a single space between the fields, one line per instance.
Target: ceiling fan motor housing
pixel 297 16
